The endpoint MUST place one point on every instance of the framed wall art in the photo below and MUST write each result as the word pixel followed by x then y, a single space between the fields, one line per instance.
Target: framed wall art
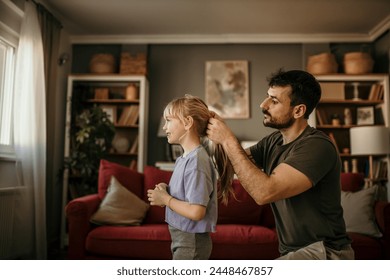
pixel 365 115
pixel 111 112
pixel 227 88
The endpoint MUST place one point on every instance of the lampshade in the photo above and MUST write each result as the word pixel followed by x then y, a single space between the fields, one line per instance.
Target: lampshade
pixel 160 131
pixel 369 140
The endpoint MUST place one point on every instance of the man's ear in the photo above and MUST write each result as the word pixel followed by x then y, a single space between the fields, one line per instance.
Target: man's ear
pixel 299 111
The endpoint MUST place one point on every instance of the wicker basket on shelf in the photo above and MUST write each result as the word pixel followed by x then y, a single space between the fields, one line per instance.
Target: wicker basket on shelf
pixel 102 63
pixel 323 63
pixel 133 64
pixel 358 63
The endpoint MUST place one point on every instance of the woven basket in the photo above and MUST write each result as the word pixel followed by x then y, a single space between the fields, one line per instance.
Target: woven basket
pixel 323 63
pixel 358 63
pixel 102 63
pixel 133 64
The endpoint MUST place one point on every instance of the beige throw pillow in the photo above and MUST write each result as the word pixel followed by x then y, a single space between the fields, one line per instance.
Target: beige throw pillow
pixel 359 211
pixel 120 207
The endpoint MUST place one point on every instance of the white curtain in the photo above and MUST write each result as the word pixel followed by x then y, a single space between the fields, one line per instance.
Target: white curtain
pixel 30 140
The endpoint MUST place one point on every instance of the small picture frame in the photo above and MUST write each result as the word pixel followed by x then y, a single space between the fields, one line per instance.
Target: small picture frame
pixel 365 115
pixel 111 112
pixel 176 151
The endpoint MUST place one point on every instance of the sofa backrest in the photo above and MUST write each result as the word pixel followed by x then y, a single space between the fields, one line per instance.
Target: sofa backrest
pixel 352 182
pixel 240 210
pixel 153 176
pixel 130 179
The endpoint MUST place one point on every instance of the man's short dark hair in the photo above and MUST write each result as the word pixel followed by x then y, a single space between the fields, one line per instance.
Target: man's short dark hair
pixel 305 88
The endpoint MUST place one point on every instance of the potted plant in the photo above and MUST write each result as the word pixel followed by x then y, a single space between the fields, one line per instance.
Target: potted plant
pixel 91 135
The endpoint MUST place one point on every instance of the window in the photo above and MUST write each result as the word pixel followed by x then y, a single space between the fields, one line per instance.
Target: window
pixel 7 69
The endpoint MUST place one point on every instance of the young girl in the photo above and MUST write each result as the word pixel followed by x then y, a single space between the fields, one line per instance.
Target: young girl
pixel 191 197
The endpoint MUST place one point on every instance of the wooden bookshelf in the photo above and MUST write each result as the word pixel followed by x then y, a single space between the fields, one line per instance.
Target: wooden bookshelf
pixel 367 98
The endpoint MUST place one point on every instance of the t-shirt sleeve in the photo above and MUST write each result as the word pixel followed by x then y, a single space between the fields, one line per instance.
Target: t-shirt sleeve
pixel 314 157
pixel 257 153
pixel 198 183
pixel 198 188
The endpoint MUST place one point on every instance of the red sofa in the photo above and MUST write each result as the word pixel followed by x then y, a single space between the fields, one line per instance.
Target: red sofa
pixel 245 230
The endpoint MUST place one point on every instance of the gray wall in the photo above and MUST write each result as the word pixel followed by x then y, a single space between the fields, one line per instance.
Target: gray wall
pixel 175 70
pixel 178 69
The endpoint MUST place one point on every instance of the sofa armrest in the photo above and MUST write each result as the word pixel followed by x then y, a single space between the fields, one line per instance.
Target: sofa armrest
pixel 78 213
pixel 382 215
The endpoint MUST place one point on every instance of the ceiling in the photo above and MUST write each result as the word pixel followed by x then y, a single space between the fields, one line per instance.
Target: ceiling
pixel 222 21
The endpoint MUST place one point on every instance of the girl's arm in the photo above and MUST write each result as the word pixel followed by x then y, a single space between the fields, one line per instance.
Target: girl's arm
pixel 160 197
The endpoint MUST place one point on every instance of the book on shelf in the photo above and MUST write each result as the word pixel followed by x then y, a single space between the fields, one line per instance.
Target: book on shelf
pixel 376 92
pixel 133 165
pixel 321 117
pixel 134 146
pixel 371 95
pixel 320 121
pixel 379 114
pixel 381 92
pixel 124 116
pixel 133 117
pixel 379 169
pixel 333 139
pixel 129 115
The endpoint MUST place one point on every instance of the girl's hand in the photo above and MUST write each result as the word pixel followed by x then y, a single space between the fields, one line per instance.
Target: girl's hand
pixel 162 186
pixel 159 196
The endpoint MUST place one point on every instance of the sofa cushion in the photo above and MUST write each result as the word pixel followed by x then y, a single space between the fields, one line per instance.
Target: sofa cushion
pixel 239 234
pixel 120 207
pixel 242 210
pixel 352 182
pixel 130 179
pixel 365 247
pixel 359 213
pixel 244 242
pixel 143 242
pixel 152 177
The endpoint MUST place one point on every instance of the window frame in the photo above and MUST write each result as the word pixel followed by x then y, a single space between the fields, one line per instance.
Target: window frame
pixel 7 78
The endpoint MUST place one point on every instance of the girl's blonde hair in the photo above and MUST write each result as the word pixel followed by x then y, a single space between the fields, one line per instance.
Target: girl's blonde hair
pixel 195 107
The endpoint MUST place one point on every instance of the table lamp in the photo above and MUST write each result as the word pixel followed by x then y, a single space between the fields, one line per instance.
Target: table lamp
pixel 160 131
pixel 370 141
pixel 162 134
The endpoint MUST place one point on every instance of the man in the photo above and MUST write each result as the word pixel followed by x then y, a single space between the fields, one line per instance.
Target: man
pixel 296 169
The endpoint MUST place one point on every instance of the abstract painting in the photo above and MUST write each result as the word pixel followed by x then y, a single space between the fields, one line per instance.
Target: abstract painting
pixel 227 88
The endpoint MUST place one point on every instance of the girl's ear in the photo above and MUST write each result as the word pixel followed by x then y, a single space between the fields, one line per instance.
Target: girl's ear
pixel 188 122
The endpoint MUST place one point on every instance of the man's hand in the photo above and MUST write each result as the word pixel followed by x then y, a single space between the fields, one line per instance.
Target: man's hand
pixel 218 131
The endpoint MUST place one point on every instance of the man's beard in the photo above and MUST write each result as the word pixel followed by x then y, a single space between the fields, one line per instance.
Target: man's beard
pixel 278 125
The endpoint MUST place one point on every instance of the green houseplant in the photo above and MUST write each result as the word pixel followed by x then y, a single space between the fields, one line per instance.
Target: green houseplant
pixel 91 135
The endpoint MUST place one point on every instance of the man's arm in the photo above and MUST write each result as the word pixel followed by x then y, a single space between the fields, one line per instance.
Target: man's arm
pixel 285 181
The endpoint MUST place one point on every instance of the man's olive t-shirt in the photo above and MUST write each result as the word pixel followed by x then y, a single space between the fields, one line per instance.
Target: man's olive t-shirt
pixel 316 214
